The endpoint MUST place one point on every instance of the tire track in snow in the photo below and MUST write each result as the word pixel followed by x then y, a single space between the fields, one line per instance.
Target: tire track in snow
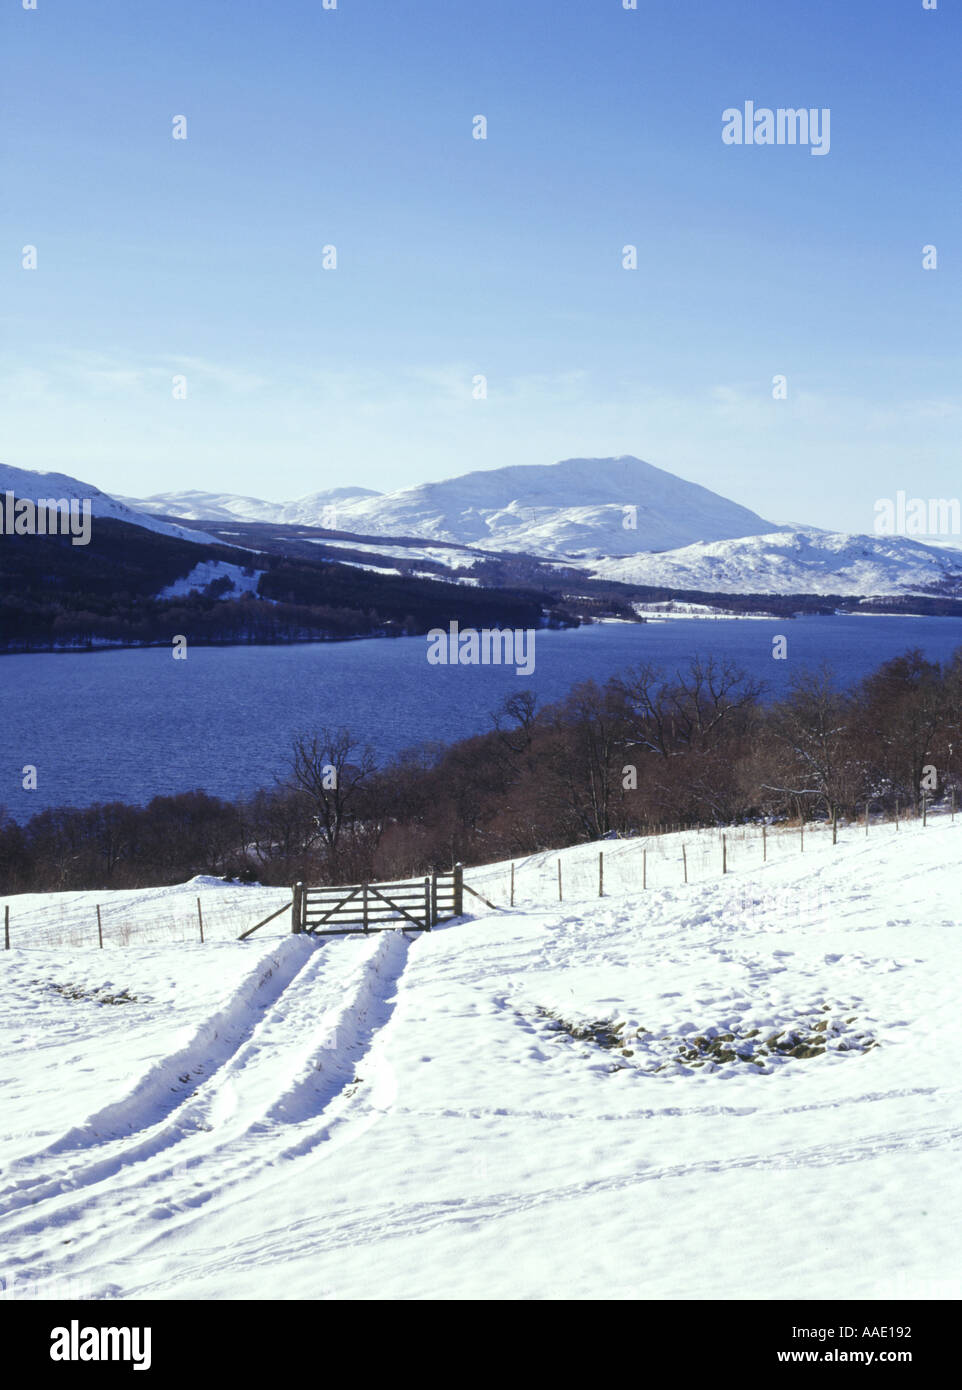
pixel 674 1111
pixel 214 1165
pixel 397 1221
pixel 169 1084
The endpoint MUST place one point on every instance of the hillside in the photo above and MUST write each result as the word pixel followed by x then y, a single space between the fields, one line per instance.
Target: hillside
pixel 569 509
pixel 559 529
pixel 699 1091
pixel 139 581
pixel 35 484
pixel 194 505
pixel 797 562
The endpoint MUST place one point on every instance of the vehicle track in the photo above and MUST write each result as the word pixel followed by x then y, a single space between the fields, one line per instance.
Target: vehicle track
pixel 283 1093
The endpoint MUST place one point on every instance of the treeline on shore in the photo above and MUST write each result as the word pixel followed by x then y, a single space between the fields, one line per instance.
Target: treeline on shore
pixel 691 747
pixel 54 595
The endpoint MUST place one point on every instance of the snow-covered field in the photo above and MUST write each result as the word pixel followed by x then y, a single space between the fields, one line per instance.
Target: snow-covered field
pixel 740 1088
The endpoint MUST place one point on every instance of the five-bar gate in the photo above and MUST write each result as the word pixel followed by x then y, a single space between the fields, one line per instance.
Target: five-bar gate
pixel 415 904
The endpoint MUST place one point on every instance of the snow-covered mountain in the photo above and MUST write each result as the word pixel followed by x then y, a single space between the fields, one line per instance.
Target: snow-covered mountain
pixel 226 506
pixel 36 484
pixel 795 562
pixel 619 519
pixel 579 508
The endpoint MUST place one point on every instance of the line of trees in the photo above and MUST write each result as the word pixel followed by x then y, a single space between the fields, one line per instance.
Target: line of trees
pixel 693 746
pixel 54 594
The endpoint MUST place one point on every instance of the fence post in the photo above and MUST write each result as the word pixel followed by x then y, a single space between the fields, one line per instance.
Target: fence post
pixel 724 854
pixel 925 809
pixel 644 868
pixel 764 844
pixel 512 885
pixel 601 873
pixel 867 804
pixel 427 902
pixel 459 890
pixel 684 862
pixel 297 891
pixel 801 836
pixel 953 803
pixel 6 927
pixel 200 918
pixel 434 898
pixel 560 898
pixel 834 825
pixel 100 931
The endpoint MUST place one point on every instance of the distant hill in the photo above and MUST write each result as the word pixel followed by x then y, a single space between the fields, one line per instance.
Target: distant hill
pixel 227 506
pixel 35 484
pixel 793 562
pixel 576 509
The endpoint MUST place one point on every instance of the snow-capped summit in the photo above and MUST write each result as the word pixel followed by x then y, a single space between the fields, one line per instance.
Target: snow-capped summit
pixel 37 484
pixel 617 518
pixel 578 508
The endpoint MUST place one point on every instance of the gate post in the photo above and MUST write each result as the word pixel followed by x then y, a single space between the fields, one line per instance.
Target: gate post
pixel 434 898
pixel 459 890
pixel 364 900
pixel 297 900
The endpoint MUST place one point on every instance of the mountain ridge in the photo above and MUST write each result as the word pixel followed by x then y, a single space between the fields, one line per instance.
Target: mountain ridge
pixel 39 483
pixel 573 514
pixel 800 560
pixel 577 508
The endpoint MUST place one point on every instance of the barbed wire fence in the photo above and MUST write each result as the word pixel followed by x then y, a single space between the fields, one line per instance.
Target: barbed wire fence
pixel 676 858
pixel 621 868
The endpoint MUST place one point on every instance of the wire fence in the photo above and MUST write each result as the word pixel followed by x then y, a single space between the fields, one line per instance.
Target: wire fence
pixel 619 868
pixel 673 859
pixel 219 914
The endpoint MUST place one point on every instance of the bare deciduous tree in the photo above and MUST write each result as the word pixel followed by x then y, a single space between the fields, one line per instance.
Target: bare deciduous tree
pixel 333 770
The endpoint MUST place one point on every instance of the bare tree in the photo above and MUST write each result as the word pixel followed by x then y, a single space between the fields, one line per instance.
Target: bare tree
pixel 812 732
pixel 334 771
pixel 521 708
pixel 906 711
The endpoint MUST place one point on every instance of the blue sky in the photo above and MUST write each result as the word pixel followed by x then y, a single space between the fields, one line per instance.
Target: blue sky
pixel 502 257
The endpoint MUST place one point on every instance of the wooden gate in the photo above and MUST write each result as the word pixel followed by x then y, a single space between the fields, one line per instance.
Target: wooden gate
pixel 415 904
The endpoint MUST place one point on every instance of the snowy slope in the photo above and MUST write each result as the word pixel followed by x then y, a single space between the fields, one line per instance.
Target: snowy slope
pixel 452 556
pixel 226 506
pixel 537 1103
pixel 787 562
pixel 243 580
pixel 574 512
pixel 314 509
pixel 576 507
pixel 35 484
